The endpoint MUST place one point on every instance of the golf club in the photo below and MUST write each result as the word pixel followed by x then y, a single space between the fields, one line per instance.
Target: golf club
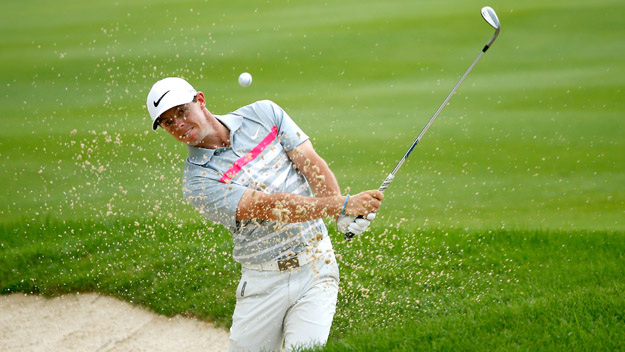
pixel 491 17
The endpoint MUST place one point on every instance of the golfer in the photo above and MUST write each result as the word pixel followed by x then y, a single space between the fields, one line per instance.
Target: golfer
pixel 255 172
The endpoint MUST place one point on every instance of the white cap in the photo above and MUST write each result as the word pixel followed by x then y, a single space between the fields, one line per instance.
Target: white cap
pixel 167 93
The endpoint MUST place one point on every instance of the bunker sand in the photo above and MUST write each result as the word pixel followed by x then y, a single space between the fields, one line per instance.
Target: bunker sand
pixel 90 322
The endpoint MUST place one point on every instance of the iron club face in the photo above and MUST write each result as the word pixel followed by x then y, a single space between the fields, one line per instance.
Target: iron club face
pixel 491 18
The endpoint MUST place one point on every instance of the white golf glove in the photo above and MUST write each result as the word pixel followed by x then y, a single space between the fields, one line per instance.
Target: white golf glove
pixel 356 226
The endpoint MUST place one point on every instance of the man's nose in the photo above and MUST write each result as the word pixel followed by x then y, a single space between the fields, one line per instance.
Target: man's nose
pixel 180 121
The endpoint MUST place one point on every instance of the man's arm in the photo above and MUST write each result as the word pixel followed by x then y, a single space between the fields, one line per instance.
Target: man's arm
pixel 315 169
pixel 288 207
pixel 328 201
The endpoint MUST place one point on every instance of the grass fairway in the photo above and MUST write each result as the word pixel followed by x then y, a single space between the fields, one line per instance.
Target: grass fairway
pixel 504 230
pixel 400 290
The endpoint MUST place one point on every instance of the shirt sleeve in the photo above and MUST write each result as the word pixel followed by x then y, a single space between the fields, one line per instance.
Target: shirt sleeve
pixel 289 133
pixel 215 200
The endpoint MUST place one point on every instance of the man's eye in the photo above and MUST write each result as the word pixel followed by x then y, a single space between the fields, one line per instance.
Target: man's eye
pixel 168 122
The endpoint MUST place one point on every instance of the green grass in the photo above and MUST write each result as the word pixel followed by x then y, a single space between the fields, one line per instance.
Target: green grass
pixel 400 290
pixel 498 290
pixel 504 230
pixel 531 138
pixel 170 269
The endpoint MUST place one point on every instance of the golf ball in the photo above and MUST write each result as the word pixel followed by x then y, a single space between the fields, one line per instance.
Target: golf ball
pixel 245 79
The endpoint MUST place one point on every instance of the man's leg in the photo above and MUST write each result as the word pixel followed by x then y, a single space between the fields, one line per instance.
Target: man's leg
pixel 262 301
pixel 309 320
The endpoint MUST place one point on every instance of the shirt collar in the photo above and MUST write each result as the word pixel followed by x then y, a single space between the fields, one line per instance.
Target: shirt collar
pixel 233 122
pixel 200 156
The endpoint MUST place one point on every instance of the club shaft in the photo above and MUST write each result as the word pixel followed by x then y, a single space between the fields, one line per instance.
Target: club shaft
pixel 391 176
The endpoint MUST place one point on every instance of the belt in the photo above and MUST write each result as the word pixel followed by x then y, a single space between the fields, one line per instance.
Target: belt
pixel 302 258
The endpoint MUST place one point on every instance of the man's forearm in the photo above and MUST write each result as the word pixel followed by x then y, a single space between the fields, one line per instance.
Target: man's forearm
pixel 287 207
pixel 315 169
pixel 322 180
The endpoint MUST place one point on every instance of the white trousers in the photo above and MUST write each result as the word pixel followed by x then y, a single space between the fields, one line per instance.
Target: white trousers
pixel 293 308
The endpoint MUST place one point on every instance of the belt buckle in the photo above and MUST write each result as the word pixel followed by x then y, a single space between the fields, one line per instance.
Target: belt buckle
pixel 288 263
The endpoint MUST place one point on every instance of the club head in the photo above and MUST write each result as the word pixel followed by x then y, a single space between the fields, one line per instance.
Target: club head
pixel 491 17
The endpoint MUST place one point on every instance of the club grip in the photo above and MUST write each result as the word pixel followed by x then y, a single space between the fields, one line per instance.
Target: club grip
pixel 386 182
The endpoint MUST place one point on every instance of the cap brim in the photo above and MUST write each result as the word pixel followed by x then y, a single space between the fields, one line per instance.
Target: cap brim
pixel 169 101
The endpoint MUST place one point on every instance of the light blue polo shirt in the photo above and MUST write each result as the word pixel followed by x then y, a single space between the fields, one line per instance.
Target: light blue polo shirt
pixel 214 181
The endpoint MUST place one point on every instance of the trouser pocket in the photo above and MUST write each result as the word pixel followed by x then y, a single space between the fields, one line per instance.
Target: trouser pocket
pixel 242 290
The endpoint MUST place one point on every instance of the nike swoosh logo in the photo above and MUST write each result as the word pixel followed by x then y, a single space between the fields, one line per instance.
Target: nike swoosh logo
pixel 256 135
pixel 159 99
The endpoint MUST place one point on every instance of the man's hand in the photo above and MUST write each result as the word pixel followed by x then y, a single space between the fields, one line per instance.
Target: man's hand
pixel 347 224
pixel 364 203
pixel 352 221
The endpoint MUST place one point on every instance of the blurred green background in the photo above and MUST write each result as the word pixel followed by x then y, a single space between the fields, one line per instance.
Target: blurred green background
pixel 503 230
pixel 532 139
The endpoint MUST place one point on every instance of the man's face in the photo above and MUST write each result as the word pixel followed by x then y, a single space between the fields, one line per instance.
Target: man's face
pixel 186 123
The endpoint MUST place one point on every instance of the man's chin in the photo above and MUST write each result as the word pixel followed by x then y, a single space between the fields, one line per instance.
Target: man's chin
pixel 190 139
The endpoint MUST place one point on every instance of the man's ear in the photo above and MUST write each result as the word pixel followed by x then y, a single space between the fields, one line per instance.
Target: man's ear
pixel 200 98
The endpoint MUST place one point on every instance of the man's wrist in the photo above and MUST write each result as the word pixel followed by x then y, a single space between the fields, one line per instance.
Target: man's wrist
pixel 345 204
pixel 337 205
